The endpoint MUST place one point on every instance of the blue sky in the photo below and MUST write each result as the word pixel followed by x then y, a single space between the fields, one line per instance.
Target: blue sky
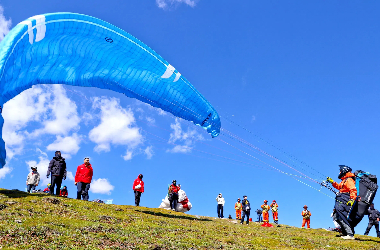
pixel 302 77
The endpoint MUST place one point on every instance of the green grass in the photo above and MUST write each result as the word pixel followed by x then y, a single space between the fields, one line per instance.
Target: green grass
pixel 34 222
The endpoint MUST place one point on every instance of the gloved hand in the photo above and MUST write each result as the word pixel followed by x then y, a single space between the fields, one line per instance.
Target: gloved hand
pixel 47 176
pixel 330 180
pixel 350 202
pixel 64 178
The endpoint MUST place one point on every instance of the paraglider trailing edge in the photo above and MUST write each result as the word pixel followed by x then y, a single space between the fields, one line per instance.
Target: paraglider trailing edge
pixel 80 50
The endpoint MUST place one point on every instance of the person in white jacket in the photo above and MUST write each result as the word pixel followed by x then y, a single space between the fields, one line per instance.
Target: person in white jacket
pixel 220 206
pixel 33 179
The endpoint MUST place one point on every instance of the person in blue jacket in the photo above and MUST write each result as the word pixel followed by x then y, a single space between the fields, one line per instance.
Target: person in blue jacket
pixel 246 209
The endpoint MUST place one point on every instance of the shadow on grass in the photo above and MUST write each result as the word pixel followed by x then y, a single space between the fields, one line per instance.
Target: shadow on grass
pixel 19 194
pixel 377 241
pixel 172 215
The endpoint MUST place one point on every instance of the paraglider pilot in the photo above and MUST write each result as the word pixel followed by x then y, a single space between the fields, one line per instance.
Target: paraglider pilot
pixel 173 195
pixel 344 200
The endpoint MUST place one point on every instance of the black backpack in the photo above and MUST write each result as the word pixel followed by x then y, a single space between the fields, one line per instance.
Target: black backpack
pixel 366 185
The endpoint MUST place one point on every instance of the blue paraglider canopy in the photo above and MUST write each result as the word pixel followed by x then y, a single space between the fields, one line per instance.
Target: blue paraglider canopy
pixel 79 50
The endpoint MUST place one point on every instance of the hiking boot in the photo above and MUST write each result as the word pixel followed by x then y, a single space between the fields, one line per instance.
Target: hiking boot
pixel 348 237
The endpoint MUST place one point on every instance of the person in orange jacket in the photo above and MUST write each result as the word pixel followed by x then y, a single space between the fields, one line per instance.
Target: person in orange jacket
pixel 265 207
pixel 274 208
pixel 238 208
pixel 344 200
pixel 305 217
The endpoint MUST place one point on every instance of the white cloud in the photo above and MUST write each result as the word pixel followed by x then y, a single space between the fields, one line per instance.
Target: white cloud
pixel 5 24
pixel 64 112
pixel 253 118
pixel 151 120
pixel 149 152
pixel 70 176
pixel 179 136
pixel 42 167
pixel 117 126
pixel 128 155
pixel 46 105
pixel 67 145
pixel 101 186
pixel 4 171
pixel 166 4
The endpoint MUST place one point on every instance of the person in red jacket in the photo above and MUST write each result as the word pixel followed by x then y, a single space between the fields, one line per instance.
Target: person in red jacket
pixel 83 179
pixel 64 192
pixel 138 188
pixel 173 195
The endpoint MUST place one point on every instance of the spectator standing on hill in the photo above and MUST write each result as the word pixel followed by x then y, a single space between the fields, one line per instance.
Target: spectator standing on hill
pixel 64 192
pixel 374 218
pixel 305 217
pixel 265 207
pixel 246 209
pixel 274 207
pixel 259 212
pixel 173 195
pixel 83 178
pixel 47 189
pixel 220 205
pixel 32 180
pixel 57 169
pixel 138 189
pixel 238 208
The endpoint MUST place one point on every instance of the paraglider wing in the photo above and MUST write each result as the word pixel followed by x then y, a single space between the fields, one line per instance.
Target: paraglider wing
pixel 79 50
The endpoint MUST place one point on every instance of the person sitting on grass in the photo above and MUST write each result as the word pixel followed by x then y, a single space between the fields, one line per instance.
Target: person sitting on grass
pixel 64 192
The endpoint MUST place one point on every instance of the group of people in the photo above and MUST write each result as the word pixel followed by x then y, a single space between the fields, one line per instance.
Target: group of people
pixel 243 206
pixel 345 199
pixel 57 171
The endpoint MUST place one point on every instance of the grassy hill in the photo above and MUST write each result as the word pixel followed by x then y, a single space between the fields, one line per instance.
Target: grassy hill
pixel 39 221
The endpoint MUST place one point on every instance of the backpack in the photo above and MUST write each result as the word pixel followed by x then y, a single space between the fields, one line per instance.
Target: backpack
pixel 366 186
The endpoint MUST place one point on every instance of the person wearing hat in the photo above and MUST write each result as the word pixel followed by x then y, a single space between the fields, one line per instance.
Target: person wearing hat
pixel 220 205
pixel 238 208
pixel 57 169
pixel 83 178
pixel 138 189
pixel 345 200
pixel 32 180
pixel 274 207
pixel 305 217
pixel 246 209
pixel 64 192
pixel 265 207
pixel 173 195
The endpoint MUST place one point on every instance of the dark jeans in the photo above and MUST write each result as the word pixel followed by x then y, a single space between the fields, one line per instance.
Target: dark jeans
pixel 245 213
pixel 56 180
pixel 137 198
pixel 83 190
pixel 219 209
pixel 31 187
pixel 370 224
pixel 341 212
pixel 173 198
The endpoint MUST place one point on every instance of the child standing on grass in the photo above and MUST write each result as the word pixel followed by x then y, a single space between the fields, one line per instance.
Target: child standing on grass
pixel 32 180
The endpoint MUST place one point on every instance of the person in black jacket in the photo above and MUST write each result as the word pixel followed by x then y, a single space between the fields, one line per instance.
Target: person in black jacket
pixel 57 168
pixel 374 217
pixel 246 209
